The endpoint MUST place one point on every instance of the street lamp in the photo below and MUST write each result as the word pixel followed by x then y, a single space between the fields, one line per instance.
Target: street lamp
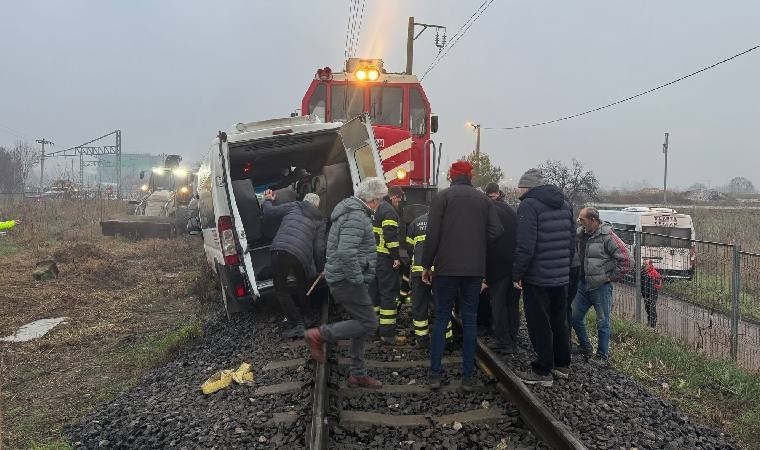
pixel 476 127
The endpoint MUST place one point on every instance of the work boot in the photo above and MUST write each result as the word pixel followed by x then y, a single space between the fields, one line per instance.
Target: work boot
pixel 423 342
pixel 469 384
pixel 561 372
pixel 294 332
pixel 600 361
pixel 581 350
pixel 435 381
pixel 531 377
pixel 364 381
pixel 314 339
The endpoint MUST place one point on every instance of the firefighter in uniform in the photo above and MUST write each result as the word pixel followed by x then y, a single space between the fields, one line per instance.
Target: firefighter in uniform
pixel 422 296
pixel 385 288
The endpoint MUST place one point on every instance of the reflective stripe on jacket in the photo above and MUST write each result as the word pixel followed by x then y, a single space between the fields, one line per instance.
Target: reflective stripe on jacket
pixel 385 226
pixel 415 243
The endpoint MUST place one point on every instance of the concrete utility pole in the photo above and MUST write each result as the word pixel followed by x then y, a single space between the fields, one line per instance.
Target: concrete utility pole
pixel 665 178
pixel 411 37
pixel 476 127
pixel 42 142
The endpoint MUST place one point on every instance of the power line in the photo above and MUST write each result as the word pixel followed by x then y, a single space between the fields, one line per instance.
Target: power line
pixel 640 94
pixel 13 131
pixel 458 35
pixel 358 33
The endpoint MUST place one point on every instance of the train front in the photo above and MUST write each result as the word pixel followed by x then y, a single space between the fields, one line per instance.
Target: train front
pixel 399 110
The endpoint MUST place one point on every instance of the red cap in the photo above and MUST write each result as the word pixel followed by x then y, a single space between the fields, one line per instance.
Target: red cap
pixel 460 168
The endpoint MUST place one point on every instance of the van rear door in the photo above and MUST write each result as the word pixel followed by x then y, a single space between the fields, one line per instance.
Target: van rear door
pixel 361 149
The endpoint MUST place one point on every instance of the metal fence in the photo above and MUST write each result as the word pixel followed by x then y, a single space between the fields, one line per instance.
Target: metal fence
pixel 710 298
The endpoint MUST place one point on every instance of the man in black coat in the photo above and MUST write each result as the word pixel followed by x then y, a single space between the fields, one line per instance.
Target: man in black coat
pixel 545 248
pixel 461 222
pixel 505 299
pixel 297 249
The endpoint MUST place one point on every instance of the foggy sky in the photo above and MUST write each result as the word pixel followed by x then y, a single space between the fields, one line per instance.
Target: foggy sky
pixel 170 74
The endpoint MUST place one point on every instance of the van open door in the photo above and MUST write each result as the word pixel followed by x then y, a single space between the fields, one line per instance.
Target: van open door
pixel 361 149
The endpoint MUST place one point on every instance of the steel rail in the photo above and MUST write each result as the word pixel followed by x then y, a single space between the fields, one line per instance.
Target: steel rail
pixel 317 431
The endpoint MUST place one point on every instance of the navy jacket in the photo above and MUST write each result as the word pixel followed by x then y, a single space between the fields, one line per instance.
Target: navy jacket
pixel 301 233
pixel 545 238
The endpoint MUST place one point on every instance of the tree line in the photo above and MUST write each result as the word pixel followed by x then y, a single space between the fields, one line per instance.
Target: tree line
pixel 16 163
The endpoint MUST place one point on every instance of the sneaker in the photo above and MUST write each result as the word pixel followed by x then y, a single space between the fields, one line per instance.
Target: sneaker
pixel 581 350
pixel 561 372
pixel 292 333
pixel 469 384
pixel 364 381
pixel 531 377
pixel 435 381
pixel 314 340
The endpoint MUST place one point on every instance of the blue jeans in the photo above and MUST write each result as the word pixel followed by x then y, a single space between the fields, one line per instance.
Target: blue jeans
pixel 601 299
pixel 447 290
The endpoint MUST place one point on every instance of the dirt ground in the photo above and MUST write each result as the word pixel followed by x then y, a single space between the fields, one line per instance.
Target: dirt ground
pixel 128 306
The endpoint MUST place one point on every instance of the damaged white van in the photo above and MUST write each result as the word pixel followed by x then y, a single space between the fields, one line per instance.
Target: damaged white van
pixel 293 156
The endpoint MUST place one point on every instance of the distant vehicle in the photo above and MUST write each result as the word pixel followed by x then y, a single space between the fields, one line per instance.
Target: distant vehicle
pixel 667 237
pixel 293 156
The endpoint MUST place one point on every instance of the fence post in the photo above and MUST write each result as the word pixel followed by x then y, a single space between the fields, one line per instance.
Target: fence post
pixel 637 273
pixel 736 286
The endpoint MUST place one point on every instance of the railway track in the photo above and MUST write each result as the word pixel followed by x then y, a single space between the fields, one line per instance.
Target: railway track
pixel 499 413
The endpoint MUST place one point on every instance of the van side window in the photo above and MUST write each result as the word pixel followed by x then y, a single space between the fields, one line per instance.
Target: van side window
pixel 318 102
pixel 365 162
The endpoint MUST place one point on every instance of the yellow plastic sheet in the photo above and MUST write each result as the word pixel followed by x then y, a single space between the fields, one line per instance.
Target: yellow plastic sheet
pixel 224 378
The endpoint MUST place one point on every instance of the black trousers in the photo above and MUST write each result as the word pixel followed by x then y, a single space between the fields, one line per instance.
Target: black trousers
pixel 650 305
pixel 284 264
pixel 505 305
pixel 572 289
pixel 546 316
pixel 384 292
pixel 423 310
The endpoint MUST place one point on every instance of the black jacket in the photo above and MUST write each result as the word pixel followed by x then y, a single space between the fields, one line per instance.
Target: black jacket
pixel 461 222
pixel 545 238
pixel 385 226
pixel 416 233
pixel 501 252
pixel 301 233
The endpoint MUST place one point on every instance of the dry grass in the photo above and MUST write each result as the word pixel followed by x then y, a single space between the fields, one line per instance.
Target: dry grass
pixel 129 304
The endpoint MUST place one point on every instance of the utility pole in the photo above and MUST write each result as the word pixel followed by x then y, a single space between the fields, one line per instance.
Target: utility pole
pixel 42 142
pixel 476 127
pixel 411 37
pixel 665 178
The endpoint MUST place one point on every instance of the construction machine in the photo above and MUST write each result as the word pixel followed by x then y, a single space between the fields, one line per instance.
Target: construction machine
pixel 162 209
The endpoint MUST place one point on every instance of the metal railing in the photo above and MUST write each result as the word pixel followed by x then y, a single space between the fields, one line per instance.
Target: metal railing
pixel 709 300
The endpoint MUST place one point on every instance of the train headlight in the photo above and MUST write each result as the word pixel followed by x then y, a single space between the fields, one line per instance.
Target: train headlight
pixel 360 74
pixel 373 74
pixel 401 174
pixel 144 188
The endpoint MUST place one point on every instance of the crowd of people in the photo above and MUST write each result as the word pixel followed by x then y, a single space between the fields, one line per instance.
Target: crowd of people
pixel 470 243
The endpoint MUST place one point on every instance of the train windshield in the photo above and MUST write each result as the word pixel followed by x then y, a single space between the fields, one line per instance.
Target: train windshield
pixel 346 102
pixel 387 105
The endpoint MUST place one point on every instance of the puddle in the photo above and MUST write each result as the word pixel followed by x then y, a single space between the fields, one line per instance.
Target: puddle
pixel 33 330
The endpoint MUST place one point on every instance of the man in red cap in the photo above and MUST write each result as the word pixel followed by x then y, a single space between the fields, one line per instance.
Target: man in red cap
pixel 461 222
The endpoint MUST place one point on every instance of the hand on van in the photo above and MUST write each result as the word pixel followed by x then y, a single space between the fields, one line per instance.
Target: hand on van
pixel 427 276
pixel 269 195
pixel 396 263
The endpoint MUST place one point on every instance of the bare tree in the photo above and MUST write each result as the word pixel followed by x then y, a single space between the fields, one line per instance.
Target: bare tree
pixel 25 157
pixel 578 184
pixel 740 185
pixel 8 172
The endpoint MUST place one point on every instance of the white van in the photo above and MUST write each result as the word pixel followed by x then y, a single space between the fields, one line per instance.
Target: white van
pixel 292 156
pixel 673 258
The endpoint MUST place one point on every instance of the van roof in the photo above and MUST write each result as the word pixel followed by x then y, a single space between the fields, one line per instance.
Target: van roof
pixel 247 131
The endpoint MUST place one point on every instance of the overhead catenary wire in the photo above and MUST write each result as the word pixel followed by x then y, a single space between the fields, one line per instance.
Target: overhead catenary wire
pixel 640 94
pixel 461 31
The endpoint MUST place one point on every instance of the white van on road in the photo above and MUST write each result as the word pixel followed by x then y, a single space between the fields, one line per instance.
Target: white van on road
pixel 673 258
pixel 292 156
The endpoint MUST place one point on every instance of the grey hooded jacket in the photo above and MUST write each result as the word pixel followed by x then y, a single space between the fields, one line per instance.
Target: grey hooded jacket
pixel 351 249
pixel 301 233
pixel 606 257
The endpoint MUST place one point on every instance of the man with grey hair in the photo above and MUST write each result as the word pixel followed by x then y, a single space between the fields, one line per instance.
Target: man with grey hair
pixel 350 267
pixel 604 258
pixel 297 249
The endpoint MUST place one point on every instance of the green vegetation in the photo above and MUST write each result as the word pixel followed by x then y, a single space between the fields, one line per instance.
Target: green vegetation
pixel 715 391
pixel 60 444
pixel 713 291
pixel 161 346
